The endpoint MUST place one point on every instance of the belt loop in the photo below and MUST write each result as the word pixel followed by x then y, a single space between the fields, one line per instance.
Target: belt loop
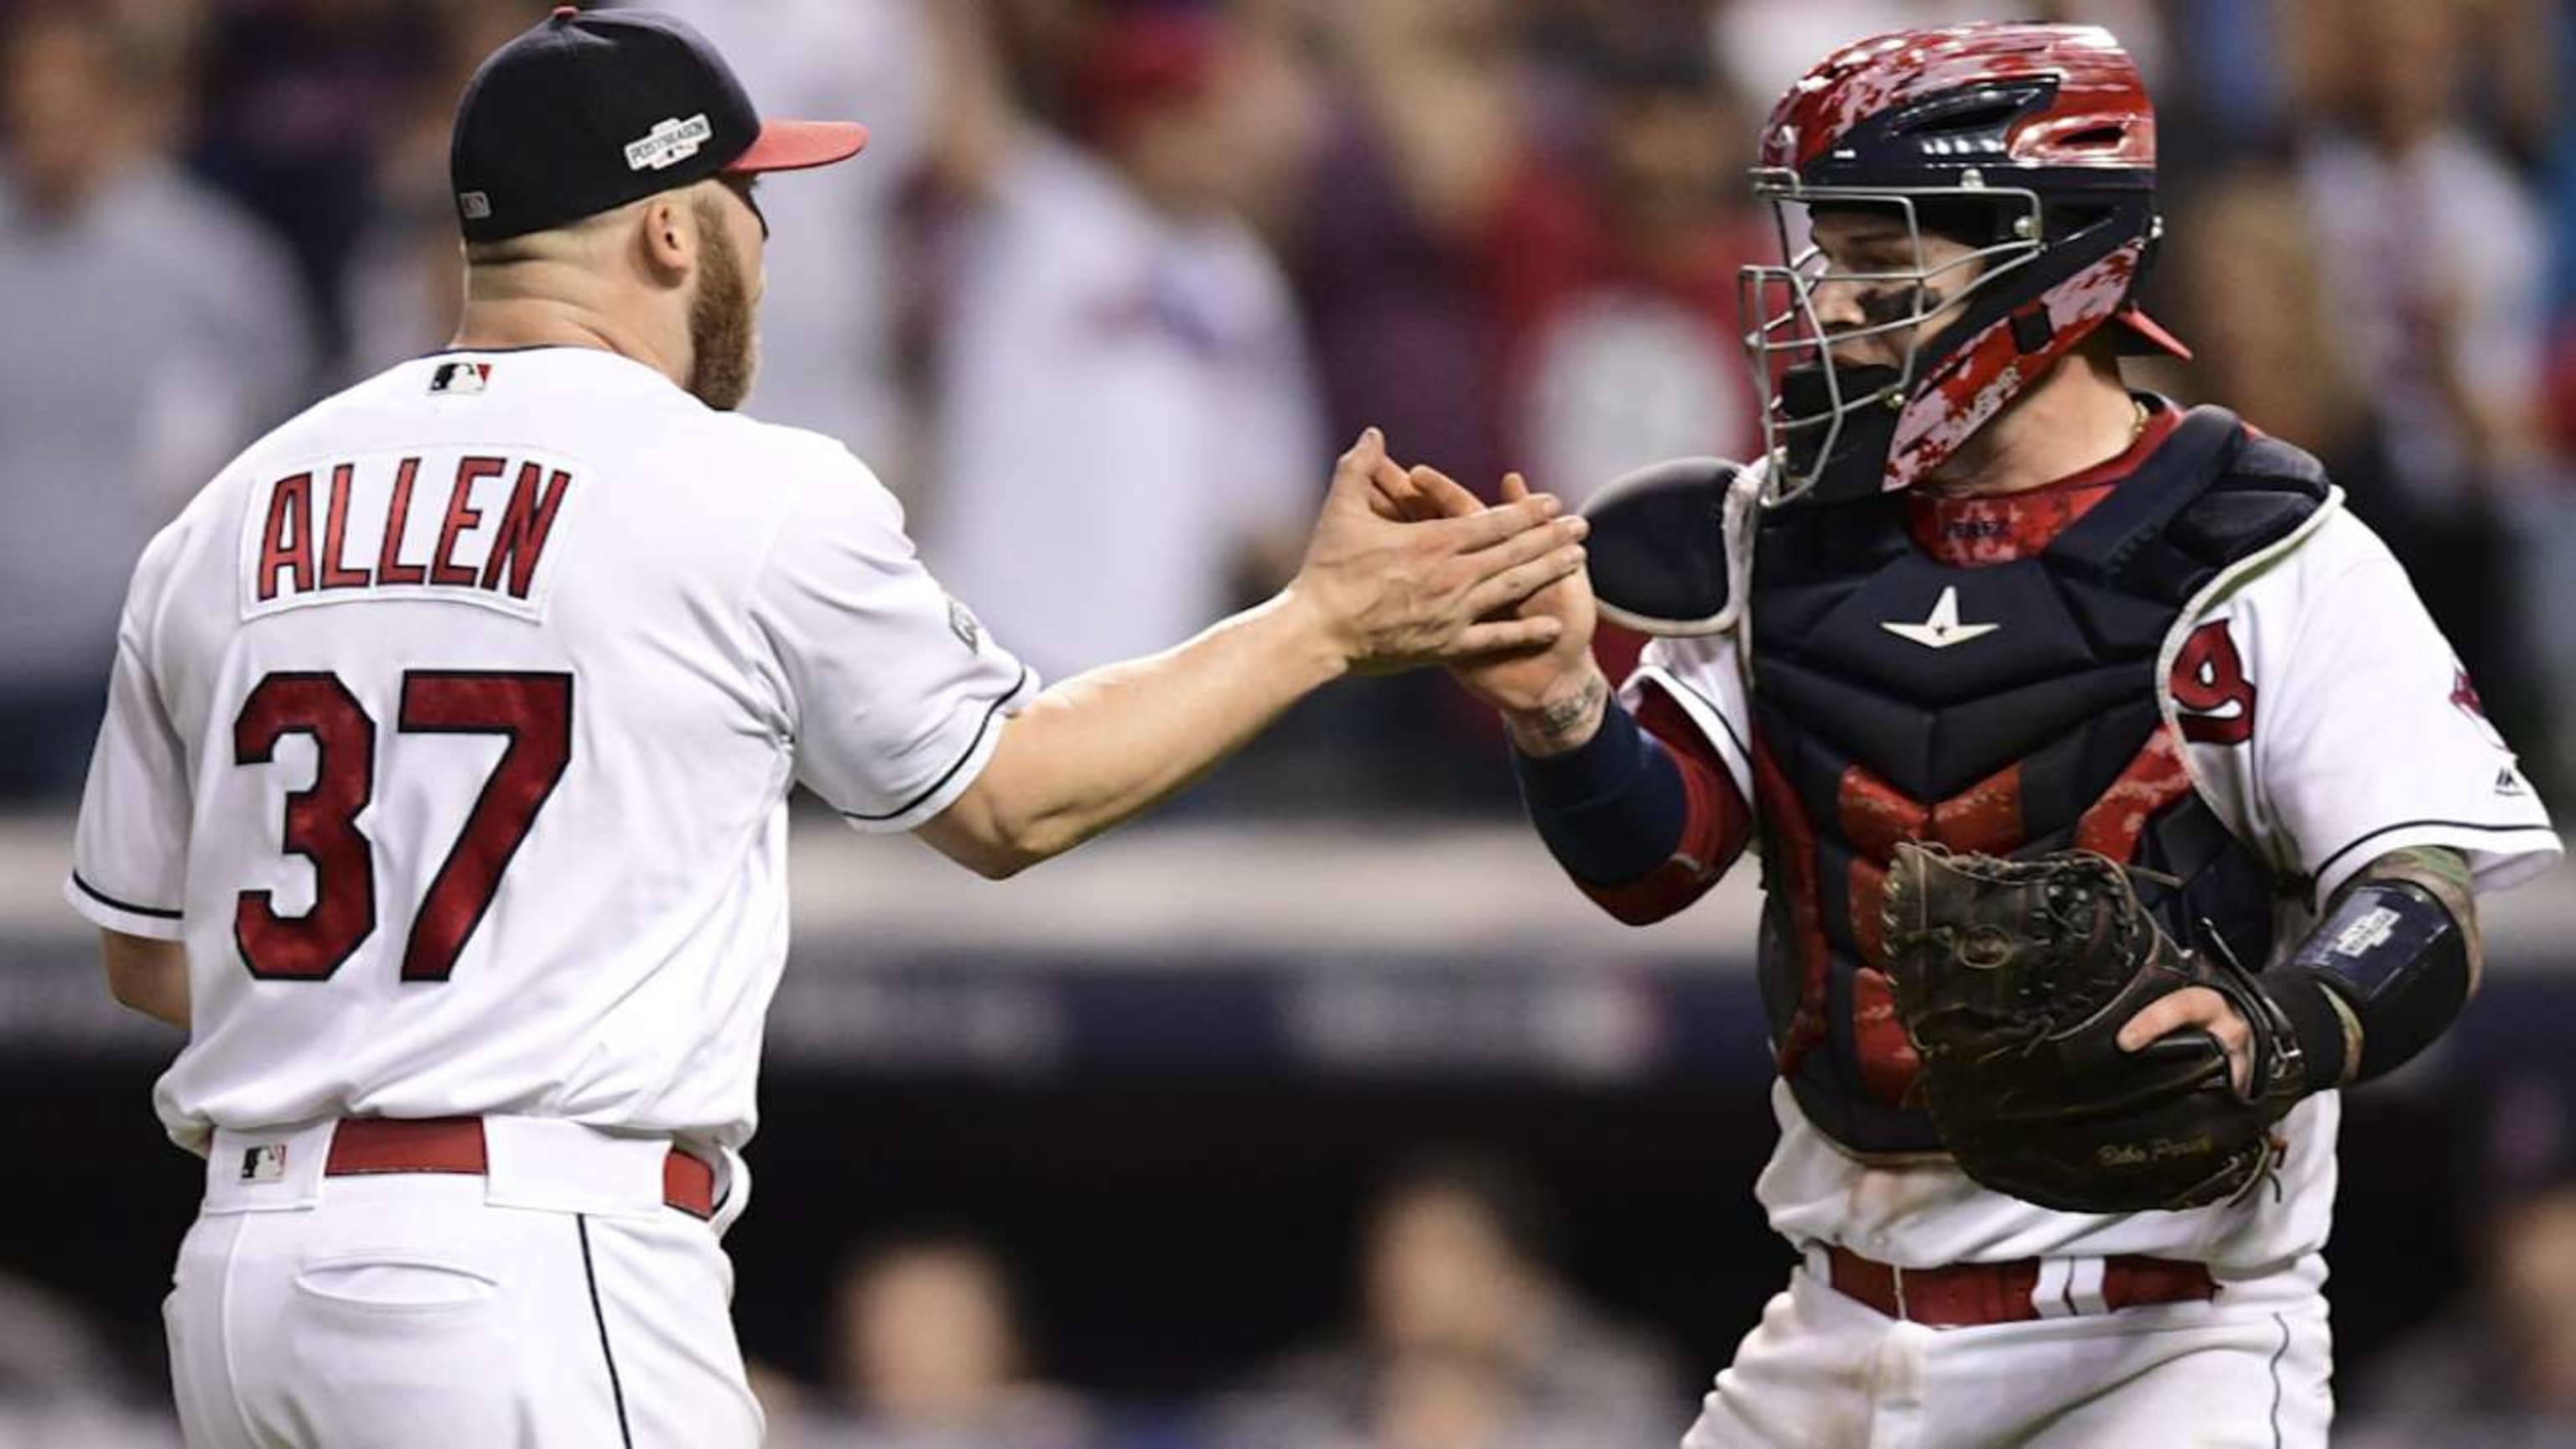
pixel 1896 1276
pixel 2087 1283
pixel 2048 1289
pixel 733 1189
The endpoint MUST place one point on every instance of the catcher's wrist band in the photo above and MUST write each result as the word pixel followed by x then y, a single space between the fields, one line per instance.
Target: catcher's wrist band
pixel 2326 1032
pixel 2382 975
pixel 1612 810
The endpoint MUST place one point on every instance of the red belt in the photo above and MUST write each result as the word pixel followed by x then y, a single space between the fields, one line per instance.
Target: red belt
pixel 1967 1294
pixel 455 1144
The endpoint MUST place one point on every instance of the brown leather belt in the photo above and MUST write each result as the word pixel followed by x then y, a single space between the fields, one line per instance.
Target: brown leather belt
pixel 1962 1295
pixel 361 1145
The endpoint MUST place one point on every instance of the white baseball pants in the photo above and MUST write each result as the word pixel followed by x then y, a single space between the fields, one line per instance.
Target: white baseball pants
pixel 1824 1371
pixel 554 1301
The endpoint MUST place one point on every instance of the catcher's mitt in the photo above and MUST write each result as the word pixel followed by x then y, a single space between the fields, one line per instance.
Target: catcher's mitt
pixel 2013 979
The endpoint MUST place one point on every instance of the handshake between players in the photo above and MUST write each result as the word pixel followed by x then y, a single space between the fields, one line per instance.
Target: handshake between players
pixel 1387 584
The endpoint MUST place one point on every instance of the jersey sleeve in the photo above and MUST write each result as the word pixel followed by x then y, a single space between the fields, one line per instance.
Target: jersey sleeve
pixel 2367 736
pixel 1702 678
pixel 130 852
pixel 894 691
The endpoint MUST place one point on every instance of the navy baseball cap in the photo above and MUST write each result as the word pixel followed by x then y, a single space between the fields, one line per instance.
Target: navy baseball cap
pixel 584 113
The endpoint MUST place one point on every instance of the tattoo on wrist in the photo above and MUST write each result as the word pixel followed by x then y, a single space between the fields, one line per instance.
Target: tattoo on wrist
pixel 1564 717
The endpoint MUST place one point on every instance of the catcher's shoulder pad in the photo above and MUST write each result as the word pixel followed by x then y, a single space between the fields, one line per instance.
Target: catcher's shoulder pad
pixel 1659 547
pixel 2265 490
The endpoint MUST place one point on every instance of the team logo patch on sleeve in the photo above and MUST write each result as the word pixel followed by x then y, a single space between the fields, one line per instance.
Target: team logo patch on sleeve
pixel 961 622
pixel 460 378
pixel 2464 698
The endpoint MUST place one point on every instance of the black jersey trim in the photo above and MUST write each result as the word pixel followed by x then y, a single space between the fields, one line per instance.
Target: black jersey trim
pixel 616 1389
pixel 990 713
pixel 104 899
pixel 504 351
pixel 2326 866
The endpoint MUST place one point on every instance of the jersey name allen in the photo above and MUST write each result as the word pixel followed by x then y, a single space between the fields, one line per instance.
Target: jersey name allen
pixel 472 526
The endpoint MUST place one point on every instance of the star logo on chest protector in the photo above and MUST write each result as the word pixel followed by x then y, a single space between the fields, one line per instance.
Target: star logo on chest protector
pixel 1943 629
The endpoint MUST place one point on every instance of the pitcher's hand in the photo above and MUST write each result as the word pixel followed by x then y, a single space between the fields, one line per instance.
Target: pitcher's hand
pixel 1551 695
pixel 1392 595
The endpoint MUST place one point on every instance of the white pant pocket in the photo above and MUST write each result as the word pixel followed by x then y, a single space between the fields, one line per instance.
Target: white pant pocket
pixel 401 1281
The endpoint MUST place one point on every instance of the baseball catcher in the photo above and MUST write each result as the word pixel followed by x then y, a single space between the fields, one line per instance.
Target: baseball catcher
pixel 2118 803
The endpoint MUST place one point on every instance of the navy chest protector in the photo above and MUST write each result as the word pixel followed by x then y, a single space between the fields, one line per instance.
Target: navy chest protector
pixel 2009 708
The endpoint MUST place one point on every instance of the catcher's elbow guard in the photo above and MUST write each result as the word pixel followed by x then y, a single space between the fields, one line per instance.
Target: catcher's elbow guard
pixel 2385 973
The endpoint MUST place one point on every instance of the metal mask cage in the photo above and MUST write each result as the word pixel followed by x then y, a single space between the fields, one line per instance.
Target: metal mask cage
pixel 1783 337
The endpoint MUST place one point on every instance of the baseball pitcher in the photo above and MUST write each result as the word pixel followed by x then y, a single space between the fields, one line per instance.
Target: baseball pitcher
pixel 442 792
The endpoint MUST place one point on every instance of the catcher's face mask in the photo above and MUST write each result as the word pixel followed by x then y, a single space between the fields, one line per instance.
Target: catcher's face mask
pixel 1845 334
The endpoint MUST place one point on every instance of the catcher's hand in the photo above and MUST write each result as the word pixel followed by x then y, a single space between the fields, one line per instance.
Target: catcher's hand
pixel 2014 980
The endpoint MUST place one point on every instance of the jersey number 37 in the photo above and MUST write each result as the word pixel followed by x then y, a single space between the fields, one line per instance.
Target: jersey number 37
pixel 533 711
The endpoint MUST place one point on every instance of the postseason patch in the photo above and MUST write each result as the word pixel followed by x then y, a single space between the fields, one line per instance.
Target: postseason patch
pixel 669 143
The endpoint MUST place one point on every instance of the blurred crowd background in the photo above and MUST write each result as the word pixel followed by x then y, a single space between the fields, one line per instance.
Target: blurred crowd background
pixel 1110 286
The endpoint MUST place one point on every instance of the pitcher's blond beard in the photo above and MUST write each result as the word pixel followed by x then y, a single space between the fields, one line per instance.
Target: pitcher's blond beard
pixel 723 344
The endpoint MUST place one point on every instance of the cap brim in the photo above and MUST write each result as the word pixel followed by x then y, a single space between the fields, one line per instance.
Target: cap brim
pixel 2152 333
pixel 798 145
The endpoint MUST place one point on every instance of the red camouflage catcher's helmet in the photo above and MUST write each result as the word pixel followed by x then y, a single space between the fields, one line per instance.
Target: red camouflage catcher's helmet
pixel 2035 145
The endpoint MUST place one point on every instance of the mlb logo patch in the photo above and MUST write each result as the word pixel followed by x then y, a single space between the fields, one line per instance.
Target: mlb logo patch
pixel 264 1163
pixel 460 377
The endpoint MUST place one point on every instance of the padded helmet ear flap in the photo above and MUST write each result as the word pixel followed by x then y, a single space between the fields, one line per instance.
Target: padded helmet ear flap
pixel 1659 547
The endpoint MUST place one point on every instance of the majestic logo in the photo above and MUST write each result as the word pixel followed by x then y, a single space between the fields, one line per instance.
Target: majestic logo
pixel 961 622
pixel 1943 629
pixel 669 143
pixel 464 378
pixel 477 205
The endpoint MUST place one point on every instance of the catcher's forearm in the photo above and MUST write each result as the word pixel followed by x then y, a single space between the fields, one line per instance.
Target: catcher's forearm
pixel 2387 969
pixel 1643 828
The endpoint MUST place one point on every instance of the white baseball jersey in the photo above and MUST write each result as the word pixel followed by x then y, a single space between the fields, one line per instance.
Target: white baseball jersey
pixel 452 728
pixel 2334 726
